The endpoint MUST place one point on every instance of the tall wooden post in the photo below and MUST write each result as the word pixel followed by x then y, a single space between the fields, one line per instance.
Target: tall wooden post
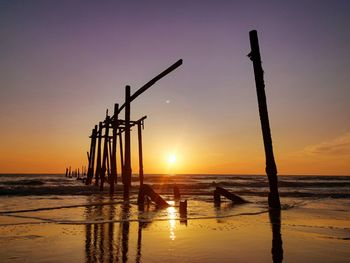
pixel 98 159
pixel 127 153
pixel 114 150
pixel 271 169
pixel 92 156
pixel 121 152
pixel 105 153
pixel 139 133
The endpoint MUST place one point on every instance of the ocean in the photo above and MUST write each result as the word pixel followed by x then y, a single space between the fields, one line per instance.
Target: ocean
pixel 25 193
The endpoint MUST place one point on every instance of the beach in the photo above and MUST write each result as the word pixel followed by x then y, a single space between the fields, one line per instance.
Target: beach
pixel 98 228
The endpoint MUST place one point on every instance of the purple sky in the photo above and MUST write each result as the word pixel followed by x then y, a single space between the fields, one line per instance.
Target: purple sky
pixel 63 62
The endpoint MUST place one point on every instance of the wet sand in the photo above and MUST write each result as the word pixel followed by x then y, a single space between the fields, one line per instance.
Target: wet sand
pixel 316 232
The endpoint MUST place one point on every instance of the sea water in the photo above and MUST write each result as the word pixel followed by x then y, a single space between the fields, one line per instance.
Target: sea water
pixel 56 198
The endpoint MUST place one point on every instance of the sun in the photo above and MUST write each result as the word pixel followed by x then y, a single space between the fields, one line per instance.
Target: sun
pixel 171 159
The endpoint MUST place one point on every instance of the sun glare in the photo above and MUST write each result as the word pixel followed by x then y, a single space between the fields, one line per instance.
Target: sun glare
pixel 171 158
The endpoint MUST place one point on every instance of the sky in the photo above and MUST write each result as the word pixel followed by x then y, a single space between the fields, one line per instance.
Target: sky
pixel 63 63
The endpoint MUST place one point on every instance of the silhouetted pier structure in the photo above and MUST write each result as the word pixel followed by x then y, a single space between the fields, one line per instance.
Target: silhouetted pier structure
pixel 102 156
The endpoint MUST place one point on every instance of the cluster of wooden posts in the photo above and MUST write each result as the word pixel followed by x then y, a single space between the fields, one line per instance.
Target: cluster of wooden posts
pixel 106 135
pixel 76 172
pixel 102 157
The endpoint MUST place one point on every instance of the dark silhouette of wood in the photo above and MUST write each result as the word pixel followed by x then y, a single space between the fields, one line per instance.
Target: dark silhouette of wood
pixel 183 208
pixel 108 159
pixel 152 82
pixel 91 156
pixel 219 191
pixel 70 170
pixel 114 150
pixel 127 153
pixel 121 153
pixel 271 169
pixel 105 154
pixel 147 191
pixel 66 172
pixel 139 132
pixel 177 195
pixel 99 155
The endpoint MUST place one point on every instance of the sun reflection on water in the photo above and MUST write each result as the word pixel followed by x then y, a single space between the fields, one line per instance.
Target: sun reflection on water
pixel 172 222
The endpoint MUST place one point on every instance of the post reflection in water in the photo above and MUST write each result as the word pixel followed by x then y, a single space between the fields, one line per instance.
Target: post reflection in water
pixel 125 227
pixel 100 242
pixel 104 241
pixel 277 248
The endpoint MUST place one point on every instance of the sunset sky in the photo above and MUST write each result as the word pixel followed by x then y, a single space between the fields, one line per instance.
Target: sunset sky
pixel 63 63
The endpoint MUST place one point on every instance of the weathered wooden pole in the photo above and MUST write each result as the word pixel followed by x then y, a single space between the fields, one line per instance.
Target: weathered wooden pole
pixel 121 152
pixel 271 169
pixel 91 156
pixel 114 150
pixel 98 159
pixel 105 153
pixel 127 152
pixel 108 159
pixel 70 171
pixel 66 172
pixel 139 132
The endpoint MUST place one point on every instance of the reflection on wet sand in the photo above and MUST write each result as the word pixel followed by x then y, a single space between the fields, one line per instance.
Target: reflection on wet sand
pixel 106 242
pixel 277 248
pixel 104 245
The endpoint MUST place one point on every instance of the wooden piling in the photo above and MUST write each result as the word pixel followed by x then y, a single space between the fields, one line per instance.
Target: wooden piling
pixel 127 153
pixel 177 194
pixel 121 152
pixel 99 154
pixel 114 150
pixel 105 153
pixel 271 169
pixel 91 156
pixel 139 132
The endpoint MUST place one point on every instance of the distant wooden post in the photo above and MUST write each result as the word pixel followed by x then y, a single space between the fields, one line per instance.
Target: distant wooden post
pixel 99 154
pixel 139 132
pixel 70 171
pixel 105 153
pixel 271 169
pixel 92 156
pixel 127 153
pixel 114 150
pixel 66 172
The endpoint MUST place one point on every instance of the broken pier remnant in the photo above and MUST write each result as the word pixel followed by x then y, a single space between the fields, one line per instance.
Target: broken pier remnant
pixel 147 191
pixel 107 157
pixel 271 169
pixel 219 191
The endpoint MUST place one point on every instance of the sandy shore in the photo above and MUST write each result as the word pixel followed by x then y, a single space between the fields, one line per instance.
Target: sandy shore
pixel 311 233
